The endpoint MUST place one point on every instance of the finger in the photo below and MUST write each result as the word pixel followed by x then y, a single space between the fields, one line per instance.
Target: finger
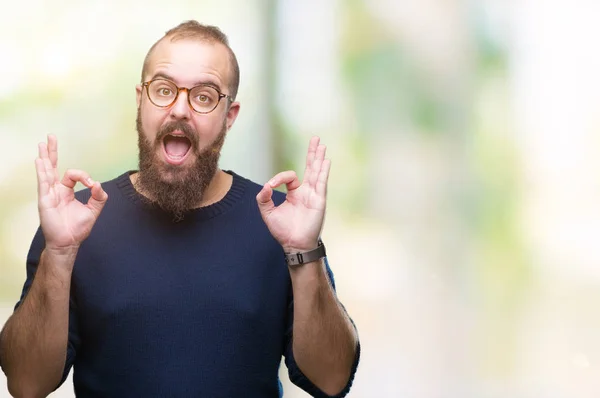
pixel 42 178
pixel 43 152
pixel 316 166
pixel 321 187
pixel 289 178
pixel 265 203
pixel 53 154
pixel 72 177
pixel 310 156
pixel 98 199
pixel 52 150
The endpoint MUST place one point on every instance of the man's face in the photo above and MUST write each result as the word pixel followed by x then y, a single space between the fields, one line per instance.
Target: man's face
pixel 179 148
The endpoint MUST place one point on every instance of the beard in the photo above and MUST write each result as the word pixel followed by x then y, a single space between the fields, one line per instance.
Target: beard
pixel 176 189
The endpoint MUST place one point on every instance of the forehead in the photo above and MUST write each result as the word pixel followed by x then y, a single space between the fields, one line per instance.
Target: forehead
pixel 190 61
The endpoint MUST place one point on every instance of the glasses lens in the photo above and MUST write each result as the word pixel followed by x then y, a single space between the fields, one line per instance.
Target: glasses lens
pixel 162 92
pixel 204 98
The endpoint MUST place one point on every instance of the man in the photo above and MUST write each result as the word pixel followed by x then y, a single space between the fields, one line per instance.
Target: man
pixel 172 281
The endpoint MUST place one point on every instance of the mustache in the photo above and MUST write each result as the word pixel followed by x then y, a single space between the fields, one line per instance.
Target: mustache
pixel 187 130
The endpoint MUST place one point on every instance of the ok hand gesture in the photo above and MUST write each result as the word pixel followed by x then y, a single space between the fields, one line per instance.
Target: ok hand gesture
pixel 65 221
pixel 297 222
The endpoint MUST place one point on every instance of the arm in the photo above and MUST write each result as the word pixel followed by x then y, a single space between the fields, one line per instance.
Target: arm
pixel 34 340
pixel 33 343
pixel 324 341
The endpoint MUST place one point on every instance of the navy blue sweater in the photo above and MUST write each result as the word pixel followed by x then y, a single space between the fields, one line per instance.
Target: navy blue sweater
pixel 196 308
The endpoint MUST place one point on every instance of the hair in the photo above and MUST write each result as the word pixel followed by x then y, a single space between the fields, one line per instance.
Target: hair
pixel 207 33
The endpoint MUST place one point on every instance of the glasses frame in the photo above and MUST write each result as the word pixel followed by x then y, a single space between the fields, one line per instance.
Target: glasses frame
pixel 187 90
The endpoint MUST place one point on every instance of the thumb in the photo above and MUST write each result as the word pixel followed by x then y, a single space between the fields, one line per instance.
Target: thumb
pixel 97 200
pixel 265 203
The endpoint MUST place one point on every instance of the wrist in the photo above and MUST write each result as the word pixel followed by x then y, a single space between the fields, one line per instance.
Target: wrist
pixel 299 248
pixel 61 251
pixel 56 267
pixel 296 256
pixel 60 259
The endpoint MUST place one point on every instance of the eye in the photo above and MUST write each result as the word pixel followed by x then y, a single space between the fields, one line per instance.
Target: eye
pixel 204 98
pixel 165 91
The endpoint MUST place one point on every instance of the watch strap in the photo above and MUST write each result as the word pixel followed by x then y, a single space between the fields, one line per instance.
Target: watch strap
pixel 293 259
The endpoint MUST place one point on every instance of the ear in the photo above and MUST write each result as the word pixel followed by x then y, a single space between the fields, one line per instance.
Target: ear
pixel 138 94
pixel 232 114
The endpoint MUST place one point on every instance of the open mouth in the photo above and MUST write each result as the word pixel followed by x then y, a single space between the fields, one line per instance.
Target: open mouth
pixel 176 148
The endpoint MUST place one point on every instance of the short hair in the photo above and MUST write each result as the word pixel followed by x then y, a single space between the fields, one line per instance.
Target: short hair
pixel 211 34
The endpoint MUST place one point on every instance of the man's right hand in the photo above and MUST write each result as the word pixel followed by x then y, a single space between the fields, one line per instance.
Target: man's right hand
pixel 65 221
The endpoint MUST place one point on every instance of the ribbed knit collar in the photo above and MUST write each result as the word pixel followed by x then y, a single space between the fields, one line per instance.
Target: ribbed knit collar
pixel 231 198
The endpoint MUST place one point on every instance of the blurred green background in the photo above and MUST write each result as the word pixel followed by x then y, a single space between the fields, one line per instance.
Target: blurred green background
pixel 464 193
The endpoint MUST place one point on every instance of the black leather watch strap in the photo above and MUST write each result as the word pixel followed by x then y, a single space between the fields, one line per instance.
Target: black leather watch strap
pixel 300 258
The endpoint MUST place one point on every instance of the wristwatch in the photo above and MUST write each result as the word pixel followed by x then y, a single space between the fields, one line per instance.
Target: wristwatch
pixel 300 258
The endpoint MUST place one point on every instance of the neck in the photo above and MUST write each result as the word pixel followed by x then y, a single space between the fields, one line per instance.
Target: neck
pixel 216 190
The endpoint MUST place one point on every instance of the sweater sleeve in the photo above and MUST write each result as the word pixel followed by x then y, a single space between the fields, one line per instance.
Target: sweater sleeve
pixel 294 372
pixel 33 259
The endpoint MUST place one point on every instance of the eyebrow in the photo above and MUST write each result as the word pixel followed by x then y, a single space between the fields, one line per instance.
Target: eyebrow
pixel 162 75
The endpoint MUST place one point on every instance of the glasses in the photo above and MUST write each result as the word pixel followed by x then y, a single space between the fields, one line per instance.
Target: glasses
pixel 202 99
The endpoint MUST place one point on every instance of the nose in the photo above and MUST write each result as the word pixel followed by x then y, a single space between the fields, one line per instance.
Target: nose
pixel 181 108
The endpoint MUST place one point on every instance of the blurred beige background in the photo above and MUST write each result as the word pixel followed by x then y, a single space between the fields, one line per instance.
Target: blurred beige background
pixel 464 197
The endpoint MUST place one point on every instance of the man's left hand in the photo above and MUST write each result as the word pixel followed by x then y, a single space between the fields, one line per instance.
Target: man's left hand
pixel 296 224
